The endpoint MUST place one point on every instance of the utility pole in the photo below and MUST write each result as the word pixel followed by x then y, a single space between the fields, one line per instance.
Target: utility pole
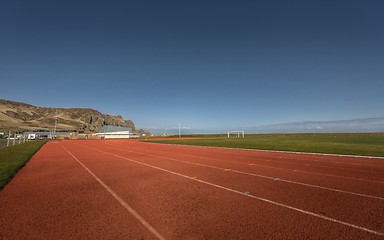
pixel 179 130
pixel 54 131
pixel 104 127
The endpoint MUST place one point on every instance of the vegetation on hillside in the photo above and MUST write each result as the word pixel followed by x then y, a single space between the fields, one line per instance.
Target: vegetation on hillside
pixel 18 116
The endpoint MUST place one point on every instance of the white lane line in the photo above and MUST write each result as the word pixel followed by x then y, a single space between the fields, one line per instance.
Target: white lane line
pixel 307 162
pixel 261 176
pixel 365 158
pixel 119 199
pixel 272 151
pixel 266 166
pixel 336 176
pixel 358 164
pixel 348 169
pixel 256 175
pixel 248 195
pixel 287 169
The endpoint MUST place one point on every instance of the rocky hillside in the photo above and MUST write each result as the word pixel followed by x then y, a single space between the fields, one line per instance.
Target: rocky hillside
pixel 20 117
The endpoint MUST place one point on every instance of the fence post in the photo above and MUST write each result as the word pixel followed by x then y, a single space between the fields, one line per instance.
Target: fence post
pixel 14 138
pixel 9 137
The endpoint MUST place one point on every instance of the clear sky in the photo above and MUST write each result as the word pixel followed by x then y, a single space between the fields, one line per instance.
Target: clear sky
pixel 207 64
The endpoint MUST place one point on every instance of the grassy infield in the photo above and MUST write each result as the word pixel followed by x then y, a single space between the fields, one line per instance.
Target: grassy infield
pixel 13 158
pixel 367 144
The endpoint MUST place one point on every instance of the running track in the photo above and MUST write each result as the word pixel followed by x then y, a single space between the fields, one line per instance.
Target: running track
pixel 125 189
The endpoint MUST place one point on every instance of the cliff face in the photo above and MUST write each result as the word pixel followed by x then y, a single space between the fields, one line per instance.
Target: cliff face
pixel 20 117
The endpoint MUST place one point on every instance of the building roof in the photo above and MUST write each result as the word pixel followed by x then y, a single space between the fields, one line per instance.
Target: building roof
pixel 111 129
pixel 49 133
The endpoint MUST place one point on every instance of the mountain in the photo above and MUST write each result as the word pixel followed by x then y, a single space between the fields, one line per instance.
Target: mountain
pixel 20 117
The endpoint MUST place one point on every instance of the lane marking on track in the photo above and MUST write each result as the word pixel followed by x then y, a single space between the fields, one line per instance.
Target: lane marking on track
pixel 266 166
pixel 365 158
pixel 358 164
pixel 348 169
pixel 262 176
pixel 308 163
pixel 119 199
pixel 249 195
pixel 287 169
pixel 266 177
pixel 272 151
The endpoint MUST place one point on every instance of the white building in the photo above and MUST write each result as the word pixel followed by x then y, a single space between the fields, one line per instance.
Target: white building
pixel 31 136
pixel 114 132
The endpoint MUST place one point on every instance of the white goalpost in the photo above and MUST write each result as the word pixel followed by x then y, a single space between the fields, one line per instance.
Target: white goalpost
pixel 236 134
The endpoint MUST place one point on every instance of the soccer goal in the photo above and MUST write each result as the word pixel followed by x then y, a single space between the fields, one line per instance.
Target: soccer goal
pixel 235 134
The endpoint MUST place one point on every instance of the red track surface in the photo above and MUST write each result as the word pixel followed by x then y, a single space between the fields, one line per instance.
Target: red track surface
pixel 131 190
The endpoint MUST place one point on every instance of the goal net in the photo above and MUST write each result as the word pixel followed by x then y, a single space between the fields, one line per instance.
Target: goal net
pixel 237 134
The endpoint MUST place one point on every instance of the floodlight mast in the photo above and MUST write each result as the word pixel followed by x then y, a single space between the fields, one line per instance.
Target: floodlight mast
pixel 179 130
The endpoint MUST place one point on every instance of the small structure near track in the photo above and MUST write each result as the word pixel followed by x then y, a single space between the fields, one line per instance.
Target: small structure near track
pixel 236 133
pixel 115 132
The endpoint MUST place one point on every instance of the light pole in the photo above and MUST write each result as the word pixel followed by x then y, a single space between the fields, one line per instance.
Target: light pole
pixel 54 130
pixel 179 130
pixel 105 127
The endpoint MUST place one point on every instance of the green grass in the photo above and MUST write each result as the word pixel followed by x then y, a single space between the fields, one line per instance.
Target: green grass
pixel 13 158
pixel 365 144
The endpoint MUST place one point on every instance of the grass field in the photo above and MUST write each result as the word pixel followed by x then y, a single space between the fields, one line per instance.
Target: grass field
pixel 13 158
pixel 364 144
pixel 3 143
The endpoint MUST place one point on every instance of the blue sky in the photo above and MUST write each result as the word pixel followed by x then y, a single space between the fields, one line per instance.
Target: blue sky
pixel 207 64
